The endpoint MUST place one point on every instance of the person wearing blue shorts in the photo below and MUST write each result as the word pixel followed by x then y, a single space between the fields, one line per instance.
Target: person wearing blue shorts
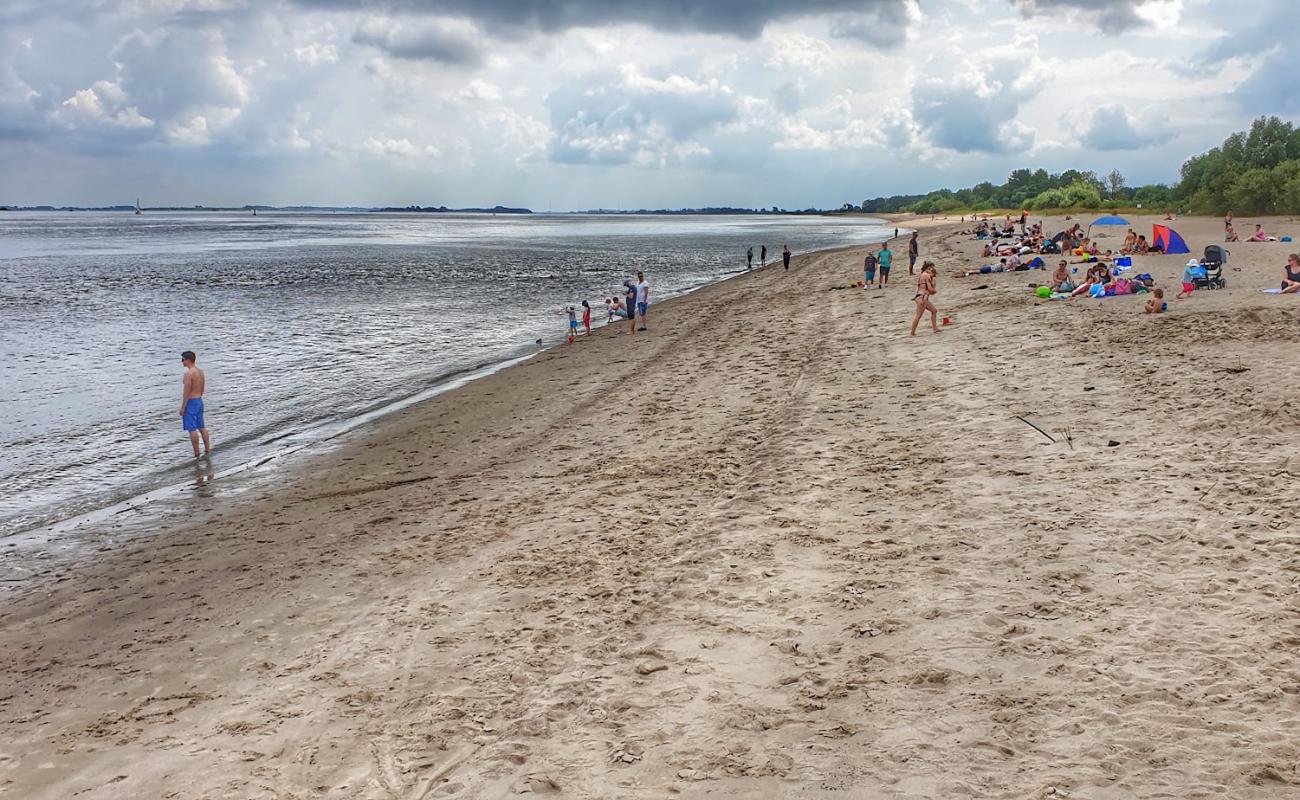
pixel 886 259
pixel 192 386
pixel 868 270
pixel 642 297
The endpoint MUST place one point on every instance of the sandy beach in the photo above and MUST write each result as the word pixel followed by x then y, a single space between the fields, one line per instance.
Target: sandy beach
pixel 772 548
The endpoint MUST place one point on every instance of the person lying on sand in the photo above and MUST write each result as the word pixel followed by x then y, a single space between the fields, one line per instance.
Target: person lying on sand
pixel 1291 283
pixel 1156 305
pixel 1258 235
pixel 1105 255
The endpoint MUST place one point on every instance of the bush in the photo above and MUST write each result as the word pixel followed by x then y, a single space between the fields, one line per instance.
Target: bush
pixel 1254 191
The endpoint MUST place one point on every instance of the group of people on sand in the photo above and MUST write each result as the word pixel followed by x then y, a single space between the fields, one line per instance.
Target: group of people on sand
pixel 881 261
pixel 762 257
pixel 1230 234
pixel 634 305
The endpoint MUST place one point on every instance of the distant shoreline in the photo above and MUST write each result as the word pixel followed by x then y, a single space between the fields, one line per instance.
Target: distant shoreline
pixel 667 212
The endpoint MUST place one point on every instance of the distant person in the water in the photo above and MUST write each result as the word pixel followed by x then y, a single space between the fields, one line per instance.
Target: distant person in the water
pixel 762 257
pixel 785 256
pixel 192 386
pixel 749 259
pixel 642 297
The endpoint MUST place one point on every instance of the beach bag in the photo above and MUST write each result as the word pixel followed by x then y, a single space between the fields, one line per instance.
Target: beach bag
pixel 1036 262
pixel 1123 286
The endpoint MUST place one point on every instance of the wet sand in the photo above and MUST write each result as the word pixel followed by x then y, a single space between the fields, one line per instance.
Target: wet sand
pixel 774 548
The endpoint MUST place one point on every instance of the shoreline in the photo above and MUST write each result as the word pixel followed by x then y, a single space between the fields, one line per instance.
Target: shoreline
pixel 173 497
pixel 776 548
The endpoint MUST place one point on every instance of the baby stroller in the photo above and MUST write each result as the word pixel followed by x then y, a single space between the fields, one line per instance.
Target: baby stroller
pixel 1213 261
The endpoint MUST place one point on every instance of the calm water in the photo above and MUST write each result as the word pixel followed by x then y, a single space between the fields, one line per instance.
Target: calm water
pixel 302 323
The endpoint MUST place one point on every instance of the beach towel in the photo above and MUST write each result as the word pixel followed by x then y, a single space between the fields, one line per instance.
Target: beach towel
pixel 1271 291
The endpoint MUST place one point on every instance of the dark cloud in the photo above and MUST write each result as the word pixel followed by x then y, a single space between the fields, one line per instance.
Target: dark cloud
pixel 1271 86
pixel 449 43
pixel 976 111
pixel 1111 16
pixel 1111 128
pixel 741 18
pixel 884 26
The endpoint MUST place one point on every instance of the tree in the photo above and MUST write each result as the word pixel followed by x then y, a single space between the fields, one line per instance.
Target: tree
pixel 1255 191
pixel 1114 184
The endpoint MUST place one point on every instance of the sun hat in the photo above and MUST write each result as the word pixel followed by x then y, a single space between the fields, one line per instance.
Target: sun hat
pixel 1192 262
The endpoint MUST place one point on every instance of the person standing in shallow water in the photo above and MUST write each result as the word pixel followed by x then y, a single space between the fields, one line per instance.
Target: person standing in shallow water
pixel 762 257
pixel 749 259
pixel 192 386
pixel 785 256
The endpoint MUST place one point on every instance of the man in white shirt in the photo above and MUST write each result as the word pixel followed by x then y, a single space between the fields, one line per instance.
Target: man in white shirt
pixel 642 297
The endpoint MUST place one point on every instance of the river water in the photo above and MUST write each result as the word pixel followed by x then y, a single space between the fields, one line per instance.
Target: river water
pixel 304 323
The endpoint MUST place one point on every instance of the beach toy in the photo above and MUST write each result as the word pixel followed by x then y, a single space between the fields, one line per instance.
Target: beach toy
pixel 1285 239
pixel 947 320
pixel 1074 269
pixel 1043 291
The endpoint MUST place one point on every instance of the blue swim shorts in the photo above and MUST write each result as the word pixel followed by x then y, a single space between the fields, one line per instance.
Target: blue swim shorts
pixel 193 418
pixel 641 308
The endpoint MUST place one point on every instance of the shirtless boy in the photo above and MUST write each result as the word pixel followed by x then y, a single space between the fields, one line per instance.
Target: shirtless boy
pixel 192 385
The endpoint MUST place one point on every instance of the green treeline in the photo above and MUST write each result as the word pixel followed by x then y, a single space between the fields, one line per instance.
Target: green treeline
pixel 1252 172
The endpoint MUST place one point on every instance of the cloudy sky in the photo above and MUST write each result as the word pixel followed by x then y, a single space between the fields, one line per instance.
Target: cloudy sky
pixel 615 103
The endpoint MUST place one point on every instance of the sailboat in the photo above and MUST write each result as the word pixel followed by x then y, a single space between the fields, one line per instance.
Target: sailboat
pixel 138 210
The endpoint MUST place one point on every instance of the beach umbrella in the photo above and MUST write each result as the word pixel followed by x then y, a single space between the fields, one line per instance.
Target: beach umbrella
pixel 1107 219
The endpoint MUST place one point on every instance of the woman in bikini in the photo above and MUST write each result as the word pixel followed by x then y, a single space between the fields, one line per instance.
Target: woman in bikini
pixel 925 289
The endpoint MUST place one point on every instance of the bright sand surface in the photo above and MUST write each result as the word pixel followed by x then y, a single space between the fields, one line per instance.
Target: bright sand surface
pixel 772 548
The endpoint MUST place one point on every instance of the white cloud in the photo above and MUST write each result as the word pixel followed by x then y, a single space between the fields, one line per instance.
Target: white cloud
pixel 637 119
pixel 654 103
